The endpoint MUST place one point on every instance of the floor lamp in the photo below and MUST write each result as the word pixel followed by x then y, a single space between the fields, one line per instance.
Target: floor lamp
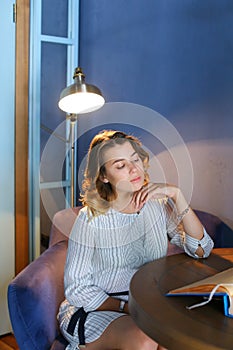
pixel 78 98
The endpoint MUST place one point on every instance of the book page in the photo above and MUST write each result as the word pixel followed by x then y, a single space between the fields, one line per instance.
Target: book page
pixel 225 278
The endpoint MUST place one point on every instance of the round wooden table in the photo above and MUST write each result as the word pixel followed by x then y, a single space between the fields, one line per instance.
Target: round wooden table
pixel 166 319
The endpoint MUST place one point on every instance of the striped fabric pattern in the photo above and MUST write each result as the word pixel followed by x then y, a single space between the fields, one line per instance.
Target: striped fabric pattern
pixel 104 253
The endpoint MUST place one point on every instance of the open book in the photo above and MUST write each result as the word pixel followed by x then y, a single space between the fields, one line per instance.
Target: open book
pixel 219 285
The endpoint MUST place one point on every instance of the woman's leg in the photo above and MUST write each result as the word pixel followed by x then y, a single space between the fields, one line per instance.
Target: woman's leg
pixel 123 334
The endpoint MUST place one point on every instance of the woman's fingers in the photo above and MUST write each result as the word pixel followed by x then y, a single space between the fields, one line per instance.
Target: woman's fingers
pixel 148 192
pixel 138 200
pixel 154 191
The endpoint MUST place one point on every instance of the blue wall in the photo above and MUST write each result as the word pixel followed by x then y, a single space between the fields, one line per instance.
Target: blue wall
pixel 175 57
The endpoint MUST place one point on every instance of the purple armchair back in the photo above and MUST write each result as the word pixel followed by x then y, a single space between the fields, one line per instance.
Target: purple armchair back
pixel 35 294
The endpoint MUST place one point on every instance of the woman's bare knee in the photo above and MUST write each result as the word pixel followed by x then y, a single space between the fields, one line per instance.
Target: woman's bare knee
pixel 123 334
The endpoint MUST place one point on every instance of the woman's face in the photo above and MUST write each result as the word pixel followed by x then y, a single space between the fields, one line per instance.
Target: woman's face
pixel 124 168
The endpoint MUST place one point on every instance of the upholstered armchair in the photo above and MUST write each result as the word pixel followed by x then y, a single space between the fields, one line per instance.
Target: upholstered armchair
pixel 35 294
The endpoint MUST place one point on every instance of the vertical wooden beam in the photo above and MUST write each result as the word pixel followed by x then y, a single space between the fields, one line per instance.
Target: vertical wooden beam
pixel 21 136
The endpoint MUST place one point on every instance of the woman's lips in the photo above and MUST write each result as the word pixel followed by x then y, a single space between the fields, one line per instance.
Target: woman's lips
pixel 136 179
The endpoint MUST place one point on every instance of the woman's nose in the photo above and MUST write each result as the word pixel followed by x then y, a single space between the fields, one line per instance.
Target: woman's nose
pixel 132 166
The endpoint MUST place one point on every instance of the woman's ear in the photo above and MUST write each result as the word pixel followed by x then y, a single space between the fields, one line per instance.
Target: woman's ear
pixel 104 179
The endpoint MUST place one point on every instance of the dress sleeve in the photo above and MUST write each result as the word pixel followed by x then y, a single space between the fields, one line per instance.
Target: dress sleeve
pixel 79 286
pixel 180 238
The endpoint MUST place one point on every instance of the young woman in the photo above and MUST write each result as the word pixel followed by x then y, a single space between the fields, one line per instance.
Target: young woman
pixel 126 222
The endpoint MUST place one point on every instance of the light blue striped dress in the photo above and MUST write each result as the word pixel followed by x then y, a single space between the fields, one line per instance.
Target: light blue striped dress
pixel 106 251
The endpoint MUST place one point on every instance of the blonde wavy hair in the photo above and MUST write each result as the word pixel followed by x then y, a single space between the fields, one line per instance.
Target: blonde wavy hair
pixel 97 195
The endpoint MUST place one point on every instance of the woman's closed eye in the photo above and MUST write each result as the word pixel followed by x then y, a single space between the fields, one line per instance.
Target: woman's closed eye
pixel 136 159
pixel 120 165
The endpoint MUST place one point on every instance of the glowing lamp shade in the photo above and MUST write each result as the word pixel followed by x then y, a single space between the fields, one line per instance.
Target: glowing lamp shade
pixel 80 97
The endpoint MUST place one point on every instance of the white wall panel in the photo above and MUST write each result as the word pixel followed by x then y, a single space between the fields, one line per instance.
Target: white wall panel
pixel 7 96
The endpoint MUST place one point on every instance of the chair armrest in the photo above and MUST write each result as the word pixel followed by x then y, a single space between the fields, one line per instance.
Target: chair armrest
pixel 34 296
pixel 62 224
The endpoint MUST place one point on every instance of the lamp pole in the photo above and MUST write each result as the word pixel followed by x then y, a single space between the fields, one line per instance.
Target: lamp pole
pixel 73 121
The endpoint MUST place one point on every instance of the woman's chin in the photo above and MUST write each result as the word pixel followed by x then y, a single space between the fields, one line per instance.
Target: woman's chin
pixel 137 186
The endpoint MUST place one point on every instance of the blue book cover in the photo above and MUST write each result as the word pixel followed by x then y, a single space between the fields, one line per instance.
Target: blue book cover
pixel 218 285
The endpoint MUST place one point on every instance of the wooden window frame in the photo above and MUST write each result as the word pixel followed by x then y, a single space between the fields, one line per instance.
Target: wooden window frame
pixel 23 241
pixel 21 135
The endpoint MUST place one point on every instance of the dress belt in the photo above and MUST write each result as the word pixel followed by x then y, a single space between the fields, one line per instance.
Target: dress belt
pixel 81 315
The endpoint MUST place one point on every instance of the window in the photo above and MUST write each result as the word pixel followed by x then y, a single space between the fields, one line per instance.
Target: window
pixel 53 57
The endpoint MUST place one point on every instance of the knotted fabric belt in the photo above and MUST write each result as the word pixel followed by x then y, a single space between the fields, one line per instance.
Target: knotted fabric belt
pixel 81 315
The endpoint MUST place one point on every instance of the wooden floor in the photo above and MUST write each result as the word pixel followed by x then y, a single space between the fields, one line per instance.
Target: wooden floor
pixel 8 342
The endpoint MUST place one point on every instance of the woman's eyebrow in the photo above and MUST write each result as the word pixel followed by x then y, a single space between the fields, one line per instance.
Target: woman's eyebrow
pixel 133 154
pixel 118 160
pixel 122 159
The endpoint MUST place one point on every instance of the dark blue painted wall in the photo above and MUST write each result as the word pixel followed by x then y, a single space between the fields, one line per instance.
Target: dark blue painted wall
pixel 174 56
